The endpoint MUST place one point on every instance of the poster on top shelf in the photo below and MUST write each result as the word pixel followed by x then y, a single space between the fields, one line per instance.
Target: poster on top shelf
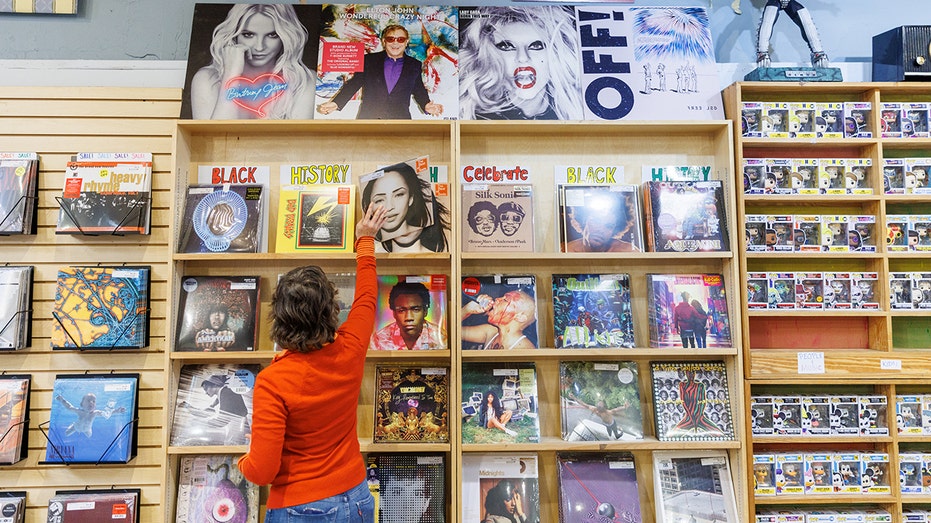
pixel 587 63
pixel 251 61
pixel 381 61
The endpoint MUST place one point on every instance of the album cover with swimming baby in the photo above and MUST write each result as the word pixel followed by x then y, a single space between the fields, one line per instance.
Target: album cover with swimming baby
pixel 221 218
pixel 218 313
pixel 499 312
pixel 411 404
pixel 600 401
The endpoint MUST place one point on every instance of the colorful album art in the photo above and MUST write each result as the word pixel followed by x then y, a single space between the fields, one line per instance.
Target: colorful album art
pixel 214 404
pixel 693 484
pixel 101 308
pixel 688 311
pixel 217 313
pixel 222 218
pixel 592 311
pixel 93 418
pixel 94 506
pixel 416 196
pixel 316 218
pixel 686 216
pixel 411 313
pixel 600 401
pixel 411 404
pixel 14 416
pixel 212 489
pixel 251 61
pixel 106 193
pixel 494 484
pixel 691 401
pixel 599 218
pixel 597 489
pixel 408 487
pixel 498 218
pixel 499 403
pixel 363 45
pixel 499 312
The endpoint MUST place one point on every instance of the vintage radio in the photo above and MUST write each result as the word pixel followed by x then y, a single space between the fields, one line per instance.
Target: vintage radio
pixel 903 53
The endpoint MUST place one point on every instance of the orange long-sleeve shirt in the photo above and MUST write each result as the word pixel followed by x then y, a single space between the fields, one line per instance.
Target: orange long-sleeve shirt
pixel 304 440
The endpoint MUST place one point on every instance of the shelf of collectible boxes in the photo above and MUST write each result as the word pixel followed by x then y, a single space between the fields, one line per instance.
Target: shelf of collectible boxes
pixel 537 147
pixel 362 145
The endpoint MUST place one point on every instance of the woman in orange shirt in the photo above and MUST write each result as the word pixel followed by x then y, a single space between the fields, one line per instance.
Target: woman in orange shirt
pixel 304 440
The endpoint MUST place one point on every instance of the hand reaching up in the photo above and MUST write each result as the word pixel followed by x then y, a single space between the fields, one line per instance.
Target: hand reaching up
pixel 374 218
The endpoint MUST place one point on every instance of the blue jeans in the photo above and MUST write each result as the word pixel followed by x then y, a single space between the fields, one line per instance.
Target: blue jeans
pixel 356 505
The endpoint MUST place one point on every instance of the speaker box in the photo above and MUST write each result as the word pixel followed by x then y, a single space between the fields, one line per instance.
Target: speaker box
pixel 902 54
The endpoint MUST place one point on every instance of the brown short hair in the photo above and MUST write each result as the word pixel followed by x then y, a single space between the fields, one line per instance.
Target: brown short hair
pixel 304 311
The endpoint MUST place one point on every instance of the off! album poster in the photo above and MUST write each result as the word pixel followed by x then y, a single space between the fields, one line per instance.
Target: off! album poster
pixel 13 507
pixel 101 308
pixel 15 306
pixel 93 418
pixel 592 311
pixel 498 218
pixel 411 313
pixel 691 401
pixel 218 313
pixel 214 404
pixel 599 218
pixel 381 61
pixel 14 417
pixel 408 487
pixel 600 401
pixel 416 194
pixel 411 404
pixel 500 487
pixel 693 484
pixel 251 61
pixel 685 216
pixel 18 192
pixel 222 218
pixel 499 403
pixel 212 489
pixel 107 193
pixel 499 312
pixel 94 506
pixel 598 488
pixel 688 310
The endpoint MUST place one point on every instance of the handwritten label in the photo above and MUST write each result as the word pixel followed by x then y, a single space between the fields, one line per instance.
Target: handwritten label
pixel 811 363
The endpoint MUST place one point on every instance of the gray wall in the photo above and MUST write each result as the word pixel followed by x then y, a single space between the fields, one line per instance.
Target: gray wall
pixel 160 29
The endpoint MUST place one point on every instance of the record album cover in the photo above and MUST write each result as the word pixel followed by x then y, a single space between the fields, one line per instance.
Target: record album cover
pixel 499 403
pixel 106 193
pixel 600 401
pixel 381 61
pixel 15 306
pixel 416 194
pixel 264 55
pixel 222 218
pixel 691 401
pixel 14 417
pixel 688 311
pixel 316 218
pixel 596 488
pixel 499 312
pixel 93 418
pixel 685 216
pixel 18 192
pixel 12 507
pixel 94 506
pixel 494 484
pixel 693 484
pixel 218 313
pixel 212 489
pixel 497 218
pixel 101 308
pixel 214 404
pixel 345 283
pixel 599 218
pixel 411 313
pixel 408 487
pixel 592 310
pixel 411 404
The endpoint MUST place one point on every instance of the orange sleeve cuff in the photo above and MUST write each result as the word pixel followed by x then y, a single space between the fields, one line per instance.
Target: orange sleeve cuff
pixel 365 246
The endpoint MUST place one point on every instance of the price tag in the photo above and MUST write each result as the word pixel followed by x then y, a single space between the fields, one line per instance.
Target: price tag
pixel 890 364
pixel 811 363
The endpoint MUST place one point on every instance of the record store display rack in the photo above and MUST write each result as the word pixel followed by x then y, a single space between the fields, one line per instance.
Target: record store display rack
pixel 144 120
